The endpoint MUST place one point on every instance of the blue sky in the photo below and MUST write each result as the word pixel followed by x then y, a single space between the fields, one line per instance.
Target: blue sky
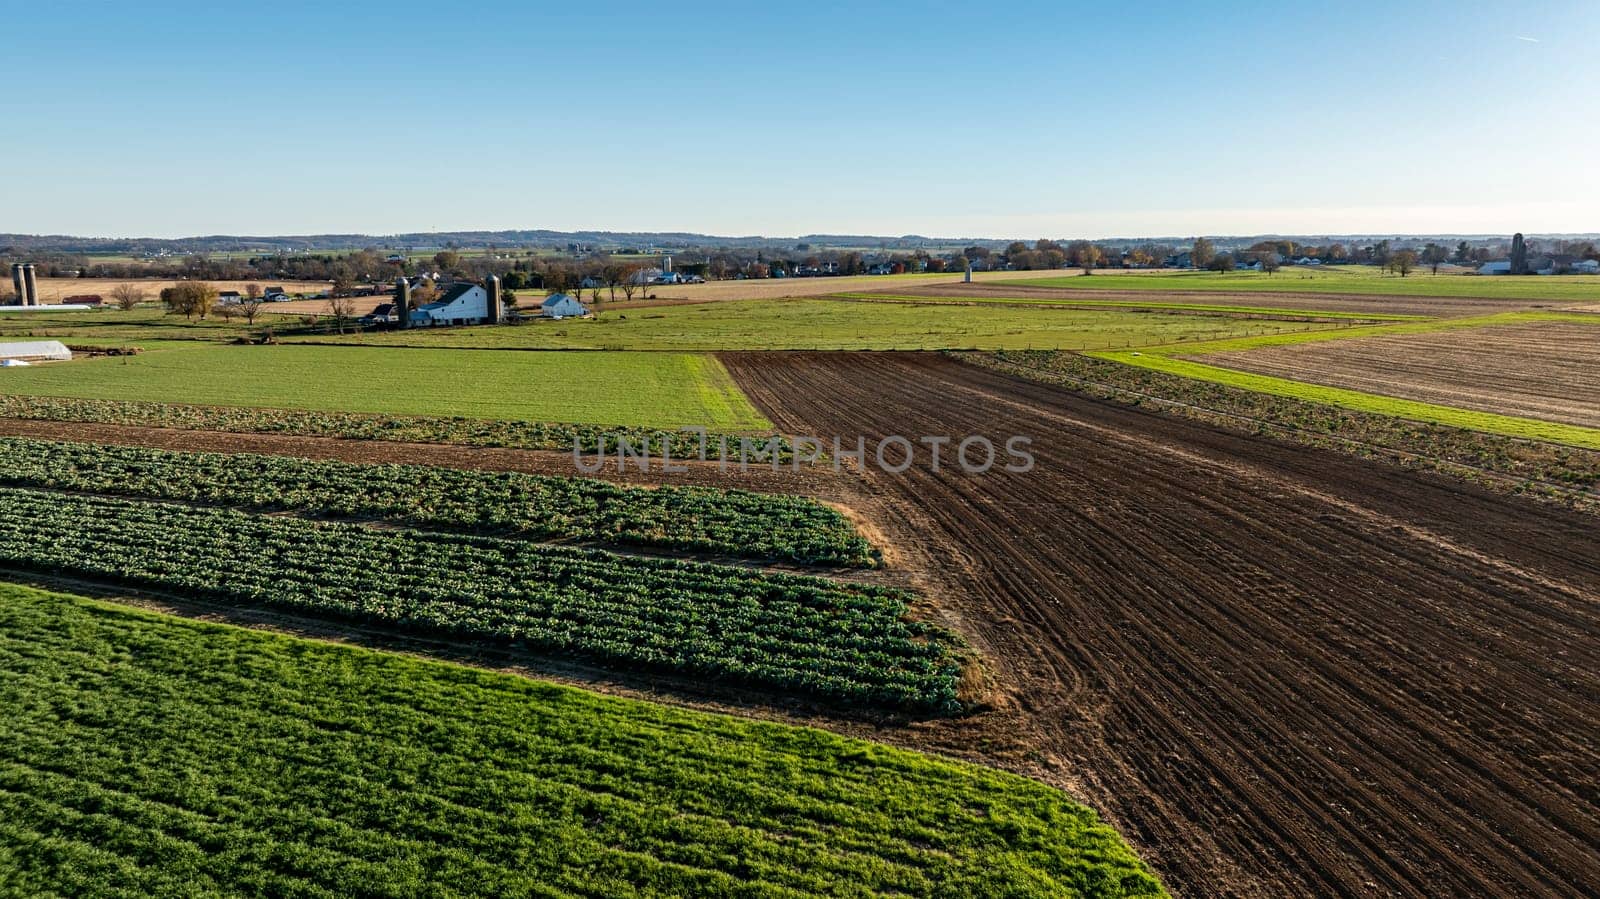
pixel 1031 119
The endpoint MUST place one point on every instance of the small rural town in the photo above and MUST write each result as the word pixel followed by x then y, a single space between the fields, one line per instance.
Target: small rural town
pixel 720 451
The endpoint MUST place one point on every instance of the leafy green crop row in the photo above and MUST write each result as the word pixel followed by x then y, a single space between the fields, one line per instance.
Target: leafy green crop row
pixel 145 755
pixel 734 522
pixel 365 426
pixel 834 641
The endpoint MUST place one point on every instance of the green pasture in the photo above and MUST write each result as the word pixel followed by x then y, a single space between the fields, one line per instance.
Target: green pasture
pixel 824 324
pixel 1211 308
pixel 665 390
pixel 1342 279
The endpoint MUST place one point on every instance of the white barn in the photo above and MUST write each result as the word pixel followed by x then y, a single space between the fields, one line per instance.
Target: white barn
pixel 462 304
pixel 560 305
pixel 1495 268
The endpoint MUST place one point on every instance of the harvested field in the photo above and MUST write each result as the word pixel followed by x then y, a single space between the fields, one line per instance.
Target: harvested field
pixel 1548 370
pixel 1278 670
pixel 1287 299
pixel 56 290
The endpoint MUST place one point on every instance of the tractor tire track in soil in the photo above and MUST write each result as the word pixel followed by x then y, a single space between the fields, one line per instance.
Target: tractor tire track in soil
pixel 1280 671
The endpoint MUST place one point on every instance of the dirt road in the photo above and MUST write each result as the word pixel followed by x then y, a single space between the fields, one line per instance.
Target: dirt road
pixel 1279 671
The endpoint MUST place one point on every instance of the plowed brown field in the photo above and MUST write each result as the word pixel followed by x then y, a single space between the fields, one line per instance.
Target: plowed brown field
pixel 1548 370
pixel 1281 672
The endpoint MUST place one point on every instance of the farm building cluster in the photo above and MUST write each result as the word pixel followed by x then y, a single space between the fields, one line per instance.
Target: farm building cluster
pixel 463 303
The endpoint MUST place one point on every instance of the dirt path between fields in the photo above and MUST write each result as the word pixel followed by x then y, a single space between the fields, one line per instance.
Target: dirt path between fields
pixel 1280 671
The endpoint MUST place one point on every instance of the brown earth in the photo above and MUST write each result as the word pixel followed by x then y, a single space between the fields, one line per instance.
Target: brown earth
pixel 1548 370
pixel 1441 307
pixel 1279 671
pixel 56 290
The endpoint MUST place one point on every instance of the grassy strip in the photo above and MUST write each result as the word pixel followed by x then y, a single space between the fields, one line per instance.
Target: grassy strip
pixel 1350 280
pixel 1551 471
pixel 1488 422
pixel 147 755
pixel 1266 311
pixel 532 435
pixel 847 644
pixel 701 519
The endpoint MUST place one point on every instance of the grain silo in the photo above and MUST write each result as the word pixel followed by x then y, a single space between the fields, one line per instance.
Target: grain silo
pixel 491 314
pixel 402 301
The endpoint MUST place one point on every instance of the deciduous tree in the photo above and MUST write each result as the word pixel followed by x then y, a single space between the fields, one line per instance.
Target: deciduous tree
pixel 127 296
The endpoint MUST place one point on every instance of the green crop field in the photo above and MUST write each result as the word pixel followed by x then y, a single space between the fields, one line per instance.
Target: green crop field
pixel 836 641
pixel 700 519
pixel 666 390
pixel 840 324
pixel 1341 279
pixel 147 755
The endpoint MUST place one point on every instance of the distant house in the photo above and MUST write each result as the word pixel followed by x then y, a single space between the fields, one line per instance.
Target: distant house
pixel 560 305
pixel 275 295
pixel 1586 267
pixel 230 297
pixel 34 351
pixel 1180 260
pixel 1501 267
pixel 462 304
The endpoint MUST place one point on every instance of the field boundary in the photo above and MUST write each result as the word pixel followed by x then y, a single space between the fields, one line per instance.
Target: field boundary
pixel 1166 359
pixel 1160 306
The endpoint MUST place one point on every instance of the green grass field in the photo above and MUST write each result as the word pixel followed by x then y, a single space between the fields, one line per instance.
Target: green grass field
pixel 113 325
pixel 147 755
pixel 665 390
pixel 841 324
pixel 1215 308
pixel 1342 279
pixel 1164 359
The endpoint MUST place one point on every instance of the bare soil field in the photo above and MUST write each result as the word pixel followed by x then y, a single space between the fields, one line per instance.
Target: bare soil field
pixel 56 290
pixel 1279 671
pixel 1548 370
pixel 1442 307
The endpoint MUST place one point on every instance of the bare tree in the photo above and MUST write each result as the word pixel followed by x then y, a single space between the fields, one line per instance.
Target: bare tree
pixel 127 296
pixel 1434 255
pixel 612 275
pixel 630 281
pixel 343 308
pixel 250 305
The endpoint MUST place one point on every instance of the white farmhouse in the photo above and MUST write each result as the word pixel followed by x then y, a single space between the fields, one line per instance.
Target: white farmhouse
pixel 560 305
pixel 462 304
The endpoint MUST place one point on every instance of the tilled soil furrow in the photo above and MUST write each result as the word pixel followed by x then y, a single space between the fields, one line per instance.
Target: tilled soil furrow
pixel 1279 670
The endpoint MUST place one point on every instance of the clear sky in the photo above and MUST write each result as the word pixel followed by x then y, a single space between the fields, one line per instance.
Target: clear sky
pixel 1017 120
